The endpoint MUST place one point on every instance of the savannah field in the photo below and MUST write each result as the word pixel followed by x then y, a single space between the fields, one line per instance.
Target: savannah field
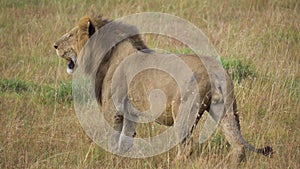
pixel 258 40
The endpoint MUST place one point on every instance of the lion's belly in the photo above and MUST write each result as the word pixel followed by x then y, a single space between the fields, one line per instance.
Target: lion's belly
pixel 151 80
pixel 154 90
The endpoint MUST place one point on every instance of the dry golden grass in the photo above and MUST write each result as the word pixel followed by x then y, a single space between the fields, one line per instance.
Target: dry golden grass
pixel 39 128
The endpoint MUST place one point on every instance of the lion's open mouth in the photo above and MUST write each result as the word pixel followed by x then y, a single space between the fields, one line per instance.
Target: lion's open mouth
pixel 71 65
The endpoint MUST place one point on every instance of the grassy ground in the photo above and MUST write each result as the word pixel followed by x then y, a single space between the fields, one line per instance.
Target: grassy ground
pixel 39 128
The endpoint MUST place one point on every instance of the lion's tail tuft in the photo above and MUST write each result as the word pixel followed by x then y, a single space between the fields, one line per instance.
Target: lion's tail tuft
pixel 266 151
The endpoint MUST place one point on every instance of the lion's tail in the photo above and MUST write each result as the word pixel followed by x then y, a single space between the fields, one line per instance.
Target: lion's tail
pixel 266 151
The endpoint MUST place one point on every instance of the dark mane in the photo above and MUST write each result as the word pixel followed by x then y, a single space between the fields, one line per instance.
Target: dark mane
pixel 106 36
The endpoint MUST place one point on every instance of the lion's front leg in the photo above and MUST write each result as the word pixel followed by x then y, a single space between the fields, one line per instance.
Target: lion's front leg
pixel 117 126
pixel 127 136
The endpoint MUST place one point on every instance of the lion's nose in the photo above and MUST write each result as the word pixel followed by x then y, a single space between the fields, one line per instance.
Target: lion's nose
pixel 55 46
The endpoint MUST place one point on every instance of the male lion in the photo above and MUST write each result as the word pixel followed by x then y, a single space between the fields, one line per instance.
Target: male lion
pixel 209 86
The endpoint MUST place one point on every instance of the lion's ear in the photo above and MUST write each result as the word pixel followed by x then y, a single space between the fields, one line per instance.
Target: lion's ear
pixel 91 28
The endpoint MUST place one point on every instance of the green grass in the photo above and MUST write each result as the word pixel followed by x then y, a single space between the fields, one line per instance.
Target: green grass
pixel 237 69
pixel 16 85
pixel 257 39
pixel 62 93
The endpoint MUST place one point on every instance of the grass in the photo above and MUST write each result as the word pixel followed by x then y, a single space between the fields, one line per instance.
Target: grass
pixel 62 93
pixel 258 41
pixel 238 70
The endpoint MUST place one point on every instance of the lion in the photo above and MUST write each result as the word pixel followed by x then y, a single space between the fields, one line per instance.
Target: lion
pixel 205 72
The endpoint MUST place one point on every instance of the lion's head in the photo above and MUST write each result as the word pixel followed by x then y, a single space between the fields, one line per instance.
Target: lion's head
pixel 71 43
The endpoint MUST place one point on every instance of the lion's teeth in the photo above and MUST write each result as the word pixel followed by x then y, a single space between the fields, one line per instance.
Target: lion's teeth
pixel 69 71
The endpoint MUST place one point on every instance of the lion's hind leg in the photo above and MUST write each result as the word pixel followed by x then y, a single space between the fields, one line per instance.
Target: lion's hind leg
pixel 185 148
pixel 231 129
